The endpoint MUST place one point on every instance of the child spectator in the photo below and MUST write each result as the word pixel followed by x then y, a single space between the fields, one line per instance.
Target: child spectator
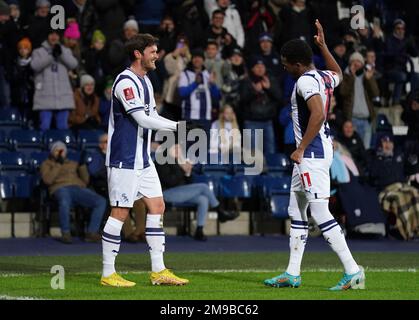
pixel 22 81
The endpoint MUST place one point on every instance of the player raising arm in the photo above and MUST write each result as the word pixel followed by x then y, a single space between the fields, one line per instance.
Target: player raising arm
pixel 131 172
pixel 313 157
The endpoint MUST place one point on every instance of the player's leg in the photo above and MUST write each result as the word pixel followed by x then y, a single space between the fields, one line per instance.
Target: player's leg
pixel 111 241
pixel 297 211
pixel 121 200
pixel 354 275
pixel 155 238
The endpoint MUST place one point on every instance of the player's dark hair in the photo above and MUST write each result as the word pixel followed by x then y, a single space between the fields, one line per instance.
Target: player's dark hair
pixel 297 51
pixel 139 42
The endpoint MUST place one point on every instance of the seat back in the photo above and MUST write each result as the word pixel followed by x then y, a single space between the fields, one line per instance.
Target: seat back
pixel 279 205
pixel 65 136
pixel 89 139
pixel 211 181
pixel 6 191
pixel 235 186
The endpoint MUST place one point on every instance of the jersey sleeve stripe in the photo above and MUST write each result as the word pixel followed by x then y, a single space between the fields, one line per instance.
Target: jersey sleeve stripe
pixel 135 109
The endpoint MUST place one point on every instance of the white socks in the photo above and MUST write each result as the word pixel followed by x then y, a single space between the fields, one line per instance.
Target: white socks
pixel 111 241
pixel 333 234
pixel 154 235
pixel 298 232
pixel 298 239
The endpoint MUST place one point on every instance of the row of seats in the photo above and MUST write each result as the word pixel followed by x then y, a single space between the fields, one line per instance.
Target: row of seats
pixel 28 141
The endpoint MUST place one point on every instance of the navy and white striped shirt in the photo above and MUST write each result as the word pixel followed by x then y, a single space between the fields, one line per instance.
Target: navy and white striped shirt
pixel 129 144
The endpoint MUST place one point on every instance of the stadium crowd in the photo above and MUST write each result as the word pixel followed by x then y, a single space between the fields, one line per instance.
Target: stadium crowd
pixel 219 66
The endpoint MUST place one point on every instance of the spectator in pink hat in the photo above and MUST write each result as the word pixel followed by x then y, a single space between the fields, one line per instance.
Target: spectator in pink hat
pixel 72 41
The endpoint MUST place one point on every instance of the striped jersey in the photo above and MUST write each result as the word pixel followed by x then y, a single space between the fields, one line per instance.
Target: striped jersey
pixel 311 83
pixel 129 144
pixel 197 104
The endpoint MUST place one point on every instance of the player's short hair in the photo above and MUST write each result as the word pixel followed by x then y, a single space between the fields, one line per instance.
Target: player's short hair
pixel 297 51
pixel 139 42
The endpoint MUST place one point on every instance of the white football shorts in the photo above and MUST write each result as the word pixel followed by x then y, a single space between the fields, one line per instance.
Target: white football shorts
pixel 312 176
pixel 126 185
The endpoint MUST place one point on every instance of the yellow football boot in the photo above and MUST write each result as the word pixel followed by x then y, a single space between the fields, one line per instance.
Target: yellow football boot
pixel 115 280
pixel 166 277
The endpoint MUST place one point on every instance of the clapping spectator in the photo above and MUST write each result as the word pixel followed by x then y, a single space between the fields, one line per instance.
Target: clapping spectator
pixel 86 113
pixel 234 71
pixel 260 101
pixel 213 62
pixel 53 94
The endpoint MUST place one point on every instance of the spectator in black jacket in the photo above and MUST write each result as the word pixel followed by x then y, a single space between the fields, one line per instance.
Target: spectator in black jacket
pixel 397 52
pixel 352 141
pixel 260 99
pixel 411 118
pixel 177 188
pixel 95 60
pixel 39 24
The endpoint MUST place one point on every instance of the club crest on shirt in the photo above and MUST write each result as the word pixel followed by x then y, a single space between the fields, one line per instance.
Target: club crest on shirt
pixel 129 93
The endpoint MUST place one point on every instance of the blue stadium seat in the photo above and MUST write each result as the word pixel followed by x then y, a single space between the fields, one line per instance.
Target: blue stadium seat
pixel 6 189
pixel 89 139
pixel 65 136
pixel 235 187
pixel 219 170
pixel 278 162
pixel 23 187
pixel 279 205
pixel 10 119
pixel 4 145
pixel 26 141
pixel 36 159
pixel 13 164
pixel 211 181
pixel 278 185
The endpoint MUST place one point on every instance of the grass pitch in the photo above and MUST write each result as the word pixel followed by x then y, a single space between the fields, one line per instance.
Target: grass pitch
pixel 213 276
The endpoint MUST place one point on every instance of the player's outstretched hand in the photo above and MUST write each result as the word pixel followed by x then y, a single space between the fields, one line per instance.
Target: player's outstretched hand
pixel 319 38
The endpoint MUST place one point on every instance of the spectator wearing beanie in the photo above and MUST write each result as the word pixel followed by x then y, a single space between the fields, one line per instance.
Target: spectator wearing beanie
pixel 86 113
pixel 21 80
pixel 358 90
pixel 53 96
pixel 118 58
pixel 72 39
pixel 67 181
pixel 95 60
